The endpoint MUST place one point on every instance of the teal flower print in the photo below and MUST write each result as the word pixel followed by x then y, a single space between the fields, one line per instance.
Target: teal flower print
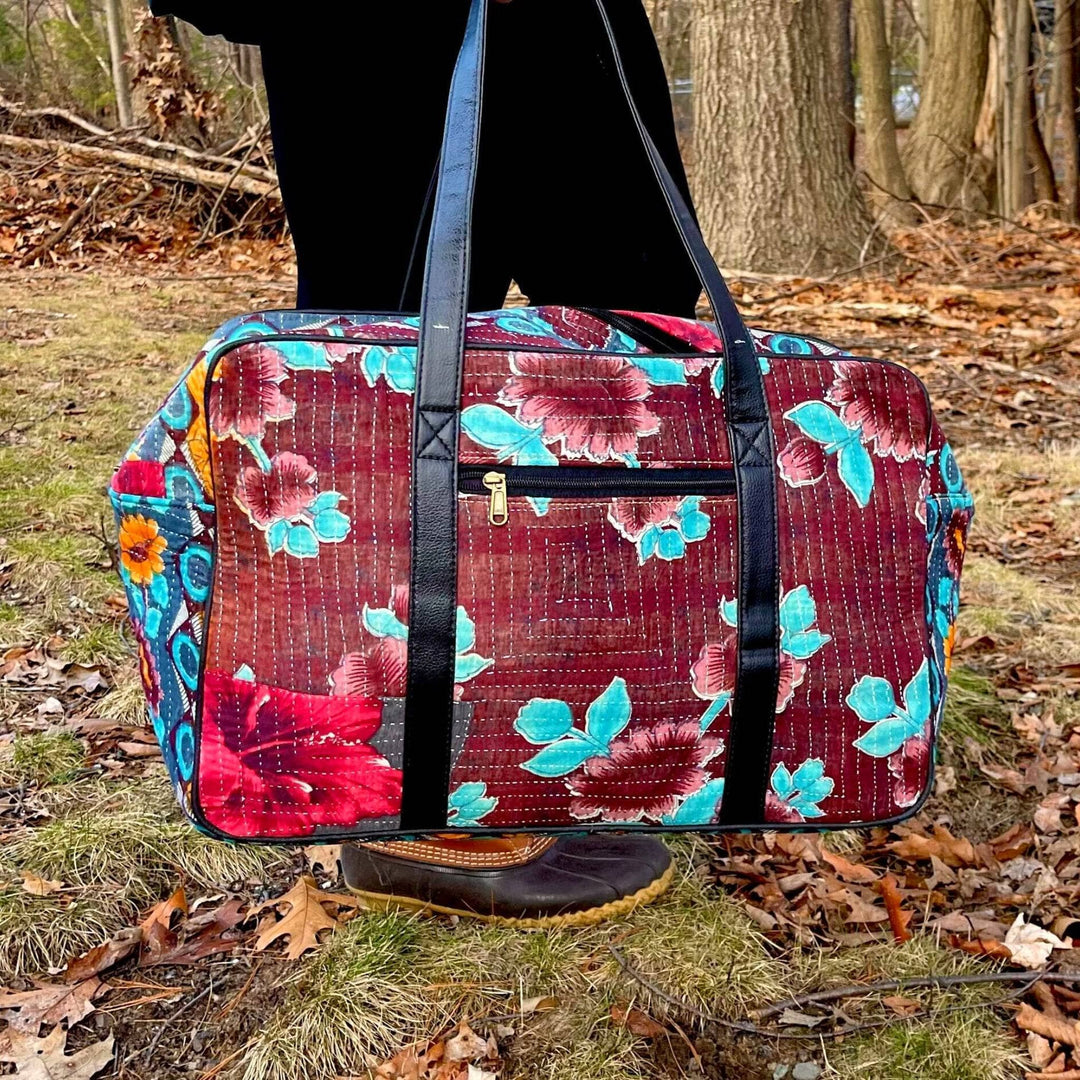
pixel 795 795
pixel 549 723
pixel 874 701
pixel 468 804
pixel 820 423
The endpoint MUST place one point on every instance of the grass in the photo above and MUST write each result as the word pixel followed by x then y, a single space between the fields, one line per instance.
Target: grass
pixel 972 709
pixel 40 759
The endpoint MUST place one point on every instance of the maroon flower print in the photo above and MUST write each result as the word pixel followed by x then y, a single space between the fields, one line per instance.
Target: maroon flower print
pixel 802 462
pixel 646 774
pixel 778 810
pixel 909 767
pixel 713 675
pixel 282 494
pixel 380 672
pixel 140 478
pixel 594 404
pixel 279 763
pixel 247 394
pixel 577 326
pixel 877 399
pixel 632 517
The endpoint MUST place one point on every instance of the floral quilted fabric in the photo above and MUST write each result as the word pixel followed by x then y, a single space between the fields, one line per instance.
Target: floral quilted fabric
pixel 264 535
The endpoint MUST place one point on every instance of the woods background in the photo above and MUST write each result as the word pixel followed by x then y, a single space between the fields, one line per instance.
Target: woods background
pixel 811 129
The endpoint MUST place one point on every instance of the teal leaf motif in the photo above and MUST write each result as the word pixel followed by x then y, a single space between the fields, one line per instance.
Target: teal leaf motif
pixel 729 611
pixel 325 500
pixel 856 470
pixel 465 635
pixel 700 807
pixel 820 423
pixel 301 542
pixel 803 789
pixel 886 737
pixel 716 707
pixel 648 543
pixel 331 526
pixel 396 365
pixel 660 370
pixel 468 665
pixel 544 720
pixel 512 440
pixel 917 696
pixel 872 698
pixel 382 622
pixel 609 714
pixel 304 355
pixel 797 610
pixel 670 545
pixel 275 536
pixel 560 758
pixel 803 645
pixel 469 803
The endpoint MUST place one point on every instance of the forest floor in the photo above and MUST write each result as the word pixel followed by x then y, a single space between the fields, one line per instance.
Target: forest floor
pixel 153 952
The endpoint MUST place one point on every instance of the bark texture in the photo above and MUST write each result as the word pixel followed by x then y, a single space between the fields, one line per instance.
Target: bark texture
pixel 114 24
pixel 1066 25
pixel 889 191
pixel 939 157
pixel 774 184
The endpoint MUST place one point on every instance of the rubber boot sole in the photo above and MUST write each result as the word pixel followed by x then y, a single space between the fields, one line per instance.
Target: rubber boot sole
pixel 586 917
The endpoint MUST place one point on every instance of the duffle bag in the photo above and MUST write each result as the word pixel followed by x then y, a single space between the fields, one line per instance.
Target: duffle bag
pixel 540 569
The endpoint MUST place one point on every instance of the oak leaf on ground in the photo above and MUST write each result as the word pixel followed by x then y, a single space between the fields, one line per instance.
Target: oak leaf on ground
pixel 305 920
pixel 49 1003
pixel 44 1058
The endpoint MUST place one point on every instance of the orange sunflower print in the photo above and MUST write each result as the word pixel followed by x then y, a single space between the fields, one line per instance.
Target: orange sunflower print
pixel 140 548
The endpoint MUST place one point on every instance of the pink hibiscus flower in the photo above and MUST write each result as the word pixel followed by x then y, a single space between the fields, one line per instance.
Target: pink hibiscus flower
pixel 247 394
pixel 379 673
pixel 632 517
pixel 878 399
pixel 646 774
pixel 802 462
pixel 282 494
pixel 909 767
pixel 140 478
pixel 594 404
pixel 279 763
pixel 577 326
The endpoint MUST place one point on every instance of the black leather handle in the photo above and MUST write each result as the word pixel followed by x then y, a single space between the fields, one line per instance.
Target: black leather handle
pixel 429 704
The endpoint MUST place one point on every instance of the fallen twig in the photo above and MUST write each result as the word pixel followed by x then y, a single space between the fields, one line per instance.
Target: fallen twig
pixel 73 219
pixel 175 170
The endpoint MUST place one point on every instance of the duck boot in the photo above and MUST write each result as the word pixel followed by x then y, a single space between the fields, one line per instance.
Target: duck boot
pixel 530 882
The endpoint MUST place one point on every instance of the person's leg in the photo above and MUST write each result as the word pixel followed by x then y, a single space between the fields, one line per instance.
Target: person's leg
pixel 565 181
pixel 356 136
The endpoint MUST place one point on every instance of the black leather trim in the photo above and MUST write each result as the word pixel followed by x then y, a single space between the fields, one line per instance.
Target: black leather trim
pixel 746 411
pixel 429 704
pixel 440 361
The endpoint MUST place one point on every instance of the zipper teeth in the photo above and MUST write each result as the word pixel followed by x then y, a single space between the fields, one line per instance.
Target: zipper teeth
pixel 564 482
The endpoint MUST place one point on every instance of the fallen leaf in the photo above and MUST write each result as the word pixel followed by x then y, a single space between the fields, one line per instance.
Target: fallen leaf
pixel 952 850
pixel 1039 1050
pixel 902 1006
pixel 542 1003
pixel 466 1045
pixel 1062 1031
pixel 862 911
pixel 140 750
pixel 305 919
pixel 49 1004
pixel 211 940
pixel 637 1022
pixel 102 957
pixel 794 1018
pixel 324 857
pixel 44 1059
pixel 1031 945
pixel 38 886
pixel 898 919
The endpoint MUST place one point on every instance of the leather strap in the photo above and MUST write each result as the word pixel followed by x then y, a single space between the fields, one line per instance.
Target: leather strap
pixel 429 701
pixel 428 711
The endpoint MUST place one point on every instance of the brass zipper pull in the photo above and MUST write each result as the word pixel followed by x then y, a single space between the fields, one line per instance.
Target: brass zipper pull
pixel 498 508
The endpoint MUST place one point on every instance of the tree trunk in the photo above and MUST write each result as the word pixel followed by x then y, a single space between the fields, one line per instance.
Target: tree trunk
pixel 1017 187
pixel 114 22
pixel 1042 171
pixel 922 24
pixel 774 185
pixel 889 191
pixel 940 151
pixel 840 37
pixel 1066 25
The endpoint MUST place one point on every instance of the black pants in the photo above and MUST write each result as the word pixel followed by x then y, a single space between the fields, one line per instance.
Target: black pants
pixel 566 203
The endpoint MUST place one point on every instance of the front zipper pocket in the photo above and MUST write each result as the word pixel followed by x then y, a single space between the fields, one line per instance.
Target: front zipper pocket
pixel 545 482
